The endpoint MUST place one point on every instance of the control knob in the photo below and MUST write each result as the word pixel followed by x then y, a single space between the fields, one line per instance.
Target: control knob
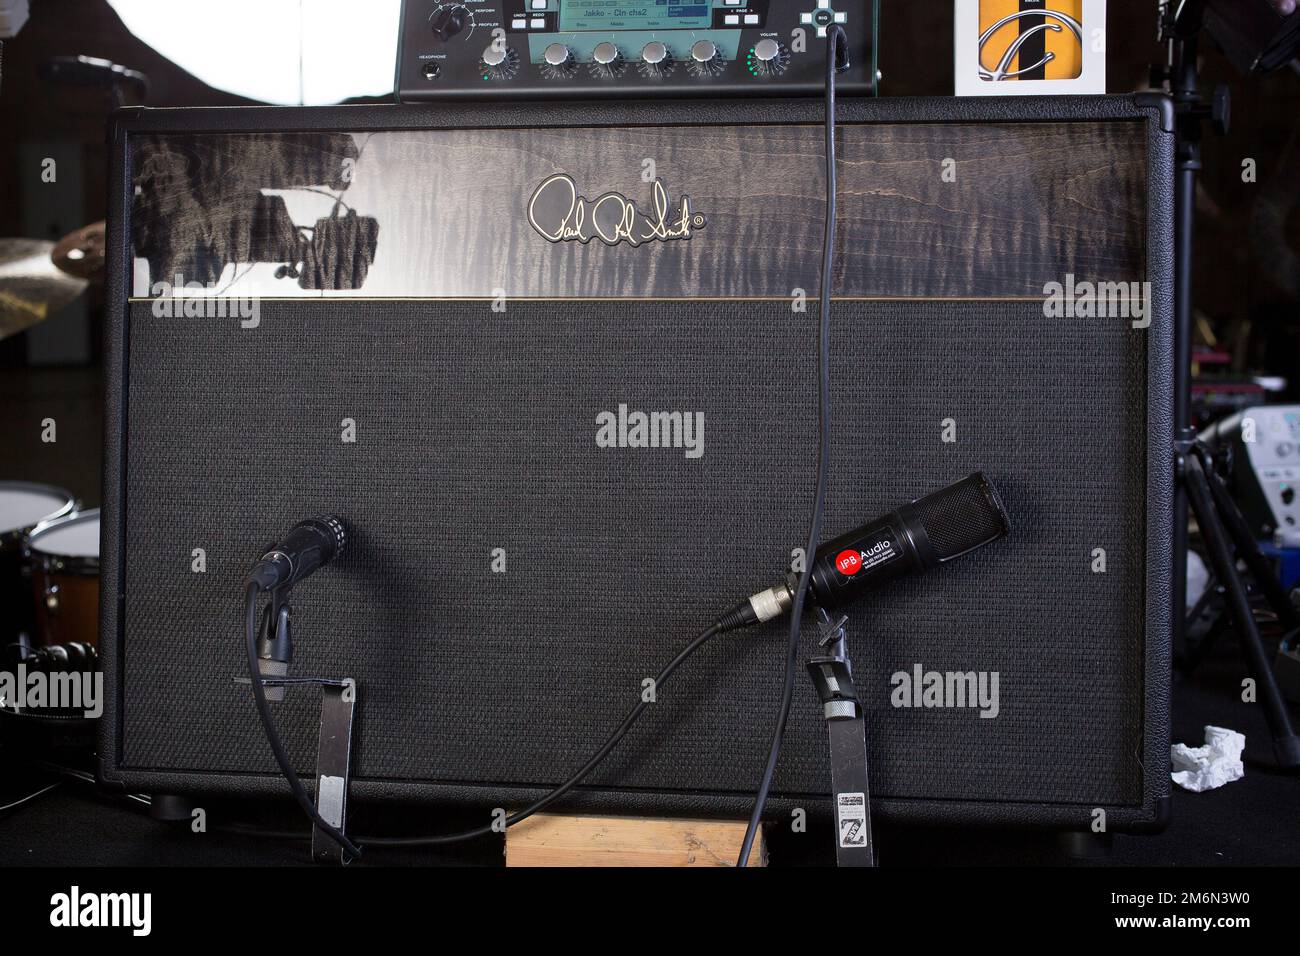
pixel 607 60
pixel 558 62
pixel 656 59
pixel 499 62
pixel 447 21
pixel 706 59
pixel 768 58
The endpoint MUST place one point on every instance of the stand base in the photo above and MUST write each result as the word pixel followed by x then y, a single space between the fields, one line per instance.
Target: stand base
pixel 1287 752
pixel 1287 668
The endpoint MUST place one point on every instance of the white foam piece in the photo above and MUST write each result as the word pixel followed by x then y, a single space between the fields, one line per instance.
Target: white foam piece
pixel 76 539
pixel 25 507
pixel 1217 763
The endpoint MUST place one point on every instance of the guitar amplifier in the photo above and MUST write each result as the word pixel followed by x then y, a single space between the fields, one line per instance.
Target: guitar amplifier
pixel 555 365
pixel 556 49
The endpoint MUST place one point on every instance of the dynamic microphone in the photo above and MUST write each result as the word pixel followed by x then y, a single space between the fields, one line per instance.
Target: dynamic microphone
pixel 310 544
pixel 928 532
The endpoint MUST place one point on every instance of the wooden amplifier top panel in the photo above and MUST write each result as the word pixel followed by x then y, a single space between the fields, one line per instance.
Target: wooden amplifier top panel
pixel 926 210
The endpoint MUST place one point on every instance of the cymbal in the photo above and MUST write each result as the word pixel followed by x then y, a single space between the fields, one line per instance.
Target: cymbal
pixel 32 287
pixel 81 252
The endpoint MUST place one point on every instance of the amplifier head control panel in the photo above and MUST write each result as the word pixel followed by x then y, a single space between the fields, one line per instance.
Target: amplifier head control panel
pixel 505 49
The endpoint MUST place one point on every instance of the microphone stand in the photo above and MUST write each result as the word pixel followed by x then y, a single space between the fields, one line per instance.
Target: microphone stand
pixel 832 676
pixel 1197 483
pixel 337 713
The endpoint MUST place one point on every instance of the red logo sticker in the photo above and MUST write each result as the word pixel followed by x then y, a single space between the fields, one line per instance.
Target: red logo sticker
pixel 848 562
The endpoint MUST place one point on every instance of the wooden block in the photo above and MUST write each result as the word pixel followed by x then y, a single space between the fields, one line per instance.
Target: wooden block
pixel 548 839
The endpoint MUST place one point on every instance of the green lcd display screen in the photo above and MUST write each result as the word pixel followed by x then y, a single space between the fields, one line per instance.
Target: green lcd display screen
pixel 643 15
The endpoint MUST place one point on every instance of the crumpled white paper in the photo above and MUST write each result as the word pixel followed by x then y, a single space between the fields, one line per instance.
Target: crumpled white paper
pixel 1217 763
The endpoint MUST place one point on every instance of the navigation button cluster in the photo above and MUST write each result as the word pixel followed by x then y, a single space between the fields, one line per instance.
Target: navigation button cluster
pixel 823 17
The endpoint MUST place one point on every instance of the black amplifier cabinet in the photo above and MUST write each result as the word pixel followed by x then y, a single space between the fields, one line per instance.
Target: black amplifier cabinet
pixel 444 324
pixel 520 49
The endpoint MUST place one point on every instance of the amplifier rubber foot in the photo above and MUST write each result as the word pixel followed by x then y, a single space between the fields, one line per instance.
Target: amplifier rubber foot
pixel 170 807
pixel 1086 845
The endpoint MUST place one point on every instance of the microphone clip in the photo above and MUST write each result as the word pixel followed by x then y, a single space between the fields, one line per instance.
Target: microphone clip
pixel 832 675
pixel 833 631
pixel 275 646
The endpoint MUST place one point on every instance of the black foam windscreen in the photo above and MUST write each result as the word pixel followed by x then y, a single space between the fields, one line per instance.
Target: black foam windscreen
pixel 962 517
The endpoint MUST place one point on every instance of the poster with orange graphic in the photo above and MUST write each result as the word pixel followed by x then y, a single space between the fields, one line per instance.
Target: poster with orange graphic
pixel 1030 47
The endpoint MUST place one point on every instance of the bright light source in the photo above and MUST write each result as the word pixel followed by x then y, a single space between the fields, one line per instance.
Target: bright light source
pixel 308 52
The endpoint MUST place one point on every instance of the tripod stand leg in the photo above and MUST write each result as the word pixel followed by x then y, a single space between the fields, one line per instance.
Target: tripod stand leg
pixel 1286 746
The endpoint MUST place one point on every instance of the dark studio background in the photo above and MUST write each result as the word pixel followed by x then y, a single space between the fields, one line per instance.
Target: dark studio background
pixel 1247 288
pixel 1248 302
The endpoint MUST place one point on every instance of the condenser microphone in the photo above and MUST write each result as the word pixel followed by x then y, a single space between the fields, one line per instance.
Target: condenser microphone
pixel 928 532
pixel 311 544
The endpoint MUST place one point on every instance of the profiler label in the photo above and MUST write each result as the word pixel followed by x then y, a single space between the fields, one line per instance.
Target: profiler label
pixel 852 819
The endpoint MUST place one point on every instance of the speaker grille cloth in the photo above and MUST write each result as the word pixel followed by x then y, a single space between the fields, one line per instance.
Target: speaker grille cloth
pixel 476 431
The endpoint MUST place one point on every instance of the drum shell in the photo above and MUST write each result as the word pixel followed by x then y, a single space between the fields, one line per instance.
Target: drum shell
pixel 19 613
pixel 64 590
pixel 15 593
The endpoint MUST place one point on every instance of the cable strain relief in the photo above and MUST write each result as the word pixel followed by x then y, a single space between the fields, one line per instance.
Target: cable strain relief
pixel 742 615
pixel 264 574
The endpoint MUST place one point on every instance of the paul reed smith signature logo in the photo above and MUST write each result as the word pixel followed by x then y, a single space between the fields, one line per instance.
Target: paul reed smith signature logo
pixel 560 214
